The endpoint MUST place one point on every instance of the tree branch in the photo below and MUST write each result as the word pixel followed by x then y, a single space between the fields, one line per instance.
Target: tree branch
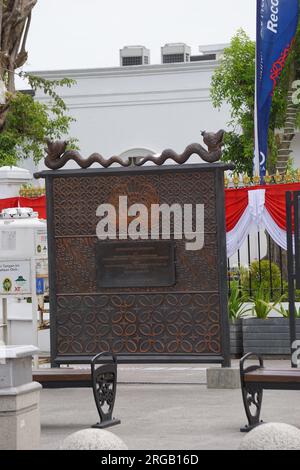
pixel 15 20
pixel 28 22
pixel 1 18
pixel 3 112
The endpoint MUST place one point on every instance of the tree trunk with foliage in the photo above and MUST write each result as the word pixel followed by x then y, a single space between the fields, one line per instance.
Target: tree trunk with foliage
pixel 15 18
pixel 25 123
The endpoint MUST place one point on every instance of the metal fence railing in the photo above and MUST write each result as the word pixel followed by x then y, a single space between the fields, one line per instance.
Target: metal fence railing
pixel 259 264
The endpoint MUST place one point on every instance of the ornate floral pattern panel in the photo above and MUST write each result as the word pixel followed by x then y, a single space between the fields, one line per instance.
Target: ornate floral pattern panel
pixel 77 215
pixel 139 324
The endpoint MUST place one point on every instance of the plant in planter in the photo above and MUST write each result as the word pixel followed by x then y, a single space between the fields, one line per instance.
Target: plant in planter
pixel 262 306
pixel 265 335
pixel 286 313
pixel 236 310
pixel 236 302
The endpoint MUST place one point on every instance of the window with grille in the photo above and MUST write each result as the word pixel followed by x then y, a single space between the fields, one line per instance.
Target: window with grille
pixel 199 58
pixel 172 58
pixel 137 60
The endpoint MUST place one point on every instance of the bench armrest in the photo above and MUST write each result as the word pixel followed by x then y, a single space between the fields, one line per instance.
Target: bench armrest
pixel 247 356
pixel 96 358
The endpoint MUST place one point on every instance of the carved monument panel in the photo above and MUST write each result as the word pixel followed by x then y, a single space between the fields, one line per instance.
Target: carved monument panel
pixel 145 300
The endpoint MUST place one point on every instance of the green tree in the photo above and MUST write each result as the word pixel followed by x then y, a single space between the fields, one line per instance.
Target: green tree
pixel 25 124
pixel 234 83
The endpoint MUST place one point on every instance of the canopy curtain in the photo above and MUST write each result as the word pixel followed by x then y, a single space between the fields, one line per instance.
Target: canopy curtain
pixel 260 208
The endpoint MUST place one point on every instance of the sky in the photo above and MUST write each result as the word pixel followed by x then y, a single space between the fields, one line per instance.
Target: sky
pixel 69 34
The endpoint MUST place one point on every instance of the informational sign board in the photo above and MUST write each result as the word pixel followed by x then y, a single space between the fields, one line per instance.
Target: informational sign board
pixel 8 240
pixel 135 264
pixel 41 243
pixel 40 286
pixel 41 268
pixel 15 277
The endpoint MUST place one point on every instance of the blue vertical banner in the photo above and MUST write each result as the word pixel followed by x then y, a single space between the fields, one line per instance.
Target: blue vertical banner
pixel 277 22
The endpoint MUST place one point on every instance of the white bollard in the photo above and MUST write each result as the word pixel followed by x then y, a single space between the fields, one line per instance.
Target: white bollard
pixel 19 399
pixel 93 439
pixel 272 436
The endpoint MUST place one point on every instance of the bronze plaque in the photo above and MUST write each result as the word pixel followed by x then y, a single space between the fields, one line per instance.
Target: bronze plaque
pixel 135 264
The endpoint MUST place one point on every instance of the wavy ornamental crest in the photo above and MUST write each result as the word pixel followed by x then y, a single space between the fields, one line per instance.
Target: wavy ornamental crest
pixel 58 155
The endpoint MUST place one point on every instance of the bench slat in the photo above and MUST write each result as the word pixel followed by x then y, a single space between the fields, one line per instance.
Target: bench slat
pixel 61 375
pixel 273 375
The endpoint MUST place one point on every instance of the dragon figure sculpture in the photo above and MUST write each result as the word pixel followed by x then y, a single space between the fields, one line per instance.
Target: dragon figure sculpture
pixel 58 155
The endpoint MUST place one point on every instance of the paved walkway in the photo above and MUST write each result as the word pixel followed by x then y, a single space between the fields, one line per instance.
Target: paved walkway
pixel 164 407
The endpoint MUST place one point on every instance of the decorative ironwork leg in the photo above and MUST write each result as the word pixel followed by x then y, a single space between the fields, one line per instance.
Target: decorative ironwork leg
pixel 252 393
pixel 104 380
pixel 252 398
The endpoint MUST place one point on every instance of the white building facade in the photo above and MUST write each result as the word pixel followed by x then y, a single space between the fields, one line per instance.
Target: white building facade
pixel 141 109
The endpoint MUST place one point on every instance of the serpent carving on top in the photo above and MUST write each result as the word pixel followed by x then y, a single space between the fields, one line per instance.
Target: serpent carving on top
pixel 58 155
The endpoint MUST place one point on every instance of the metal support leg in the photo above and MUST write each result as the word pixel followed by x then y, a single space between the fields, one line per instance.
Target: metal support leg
pixel 252 394
pixel 104 380
pixel 252 398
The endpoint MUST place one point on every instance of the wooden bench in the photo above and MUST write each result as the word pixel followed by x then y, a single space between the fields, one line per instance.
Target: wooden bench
pixel 255 379
pixel 63 377
pixel 102 379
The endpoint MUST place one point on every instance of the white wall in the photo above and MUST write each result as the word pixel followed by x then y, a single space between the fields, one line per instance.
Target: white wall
pixel 153 107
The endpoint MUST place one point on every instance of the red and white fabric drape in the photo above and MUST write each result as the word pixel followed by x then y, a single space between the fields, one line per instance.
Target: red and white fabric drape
pixel 38 204
pixel 256 208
